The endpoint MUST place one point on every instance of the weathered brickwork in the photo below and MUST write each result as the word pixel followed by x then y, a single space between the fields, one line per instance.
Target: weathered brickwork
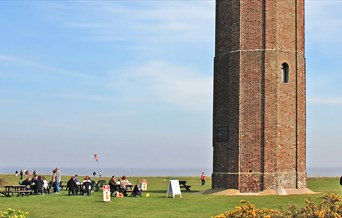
pixel 259 121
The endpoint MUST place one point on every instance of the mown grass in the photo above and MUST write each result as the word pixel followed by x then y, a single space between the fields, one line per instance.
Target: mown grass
pixel 193 204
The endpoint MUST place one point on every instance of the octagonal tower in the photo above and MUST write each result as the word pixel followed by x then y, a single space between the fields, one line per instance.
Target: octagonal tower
pixel 259 111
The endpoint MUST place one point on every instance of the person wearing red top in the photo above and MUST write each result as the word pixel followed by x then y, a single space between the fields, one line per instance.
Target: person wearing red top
pixel 203 178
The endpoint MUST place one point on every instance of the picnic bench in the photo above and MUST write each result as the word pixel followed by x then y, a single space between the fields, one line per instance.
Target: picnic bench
pixel 10 190
pixel 99 184
pixel 128 187
pixel 61 186
pixel 184 185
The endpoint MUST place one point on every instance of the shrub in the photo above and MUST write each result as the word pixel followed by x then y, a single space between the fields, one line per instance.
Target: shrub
pixel 12 213
pixel 246 209
pixel 330 206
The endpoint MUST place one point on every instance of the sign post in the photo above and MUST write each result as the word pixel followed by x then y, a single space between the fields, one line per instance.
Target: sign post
pixel 106 193
pixel 144 184
pixel 173 189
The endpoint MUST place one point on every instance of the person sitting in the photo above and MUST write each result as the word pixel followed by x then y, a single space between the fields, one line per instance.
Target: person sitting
pixel 78 189
pixel 113 186
pixel 86 185
pixel 34 184
pixel 123 185
pixel 27 183
pixel 46 189
pixel 136 191
pixel 72 187
pixel 39 186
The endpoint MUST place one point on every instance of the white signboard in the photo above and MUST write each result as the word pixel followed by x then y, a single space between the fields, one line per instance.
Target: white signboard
pixel 106 193
pixel 144 184
pixel 173 189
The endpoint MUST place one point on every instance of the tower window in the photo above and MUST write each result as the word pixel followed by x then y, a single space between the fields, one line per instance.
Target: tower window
pixel 285 73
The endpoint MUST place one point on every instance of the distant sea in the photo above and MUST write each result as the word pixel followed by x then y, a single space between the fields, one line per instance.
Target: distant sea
pixel 115 171
pixel 312 172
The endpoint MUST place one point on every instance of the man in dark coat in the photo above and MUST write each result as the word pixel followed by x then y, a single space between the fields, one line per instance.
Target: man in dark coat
pixel 72 186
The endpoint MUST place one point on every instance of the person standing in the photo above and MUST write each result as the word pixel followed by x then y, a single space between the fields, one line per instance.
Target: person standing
pixel 203 178
pixel 58 179
pixel 21 174
pixel 53 179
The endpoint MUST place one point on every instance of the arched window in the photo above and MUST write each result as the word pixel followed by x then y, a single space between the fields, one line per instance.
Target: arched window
pixel 285 73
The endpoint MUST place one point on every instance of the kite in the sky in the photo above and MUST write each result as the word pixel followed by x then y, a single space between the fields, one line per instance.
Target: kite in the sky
pixel 96 157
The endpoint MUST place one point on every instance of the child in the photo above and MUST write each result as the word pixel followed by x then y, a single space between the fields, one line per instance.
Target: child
pixel 45 186
pixel 203 178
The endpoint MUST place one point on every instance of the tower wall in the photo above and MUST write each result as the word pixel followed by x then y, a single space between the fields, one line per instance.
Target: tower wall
pixel 259 121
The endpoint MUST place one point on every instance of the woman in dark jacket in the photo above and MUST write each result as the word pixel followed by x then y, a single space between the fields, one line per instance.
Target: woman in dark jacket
pixel 113 185
pixel 72 186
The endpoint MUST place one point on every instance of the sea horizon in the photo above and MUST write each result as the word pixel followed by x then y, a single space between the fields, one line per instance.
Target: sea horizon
pixel 107 172
pixel 165 172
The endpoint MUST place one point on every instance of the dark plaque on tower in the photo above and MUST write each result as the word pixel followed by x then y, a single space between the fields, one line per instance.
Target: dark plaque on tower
pixel 222 134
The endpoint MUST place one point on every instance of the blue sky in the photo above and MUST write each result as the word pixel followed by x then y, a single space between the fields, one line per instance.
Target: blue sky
pixel 132 81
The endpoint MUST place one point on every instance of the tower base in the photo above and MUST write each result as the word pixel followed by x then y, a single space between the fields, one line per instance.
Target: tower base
pixel 258 182
pixel 279 191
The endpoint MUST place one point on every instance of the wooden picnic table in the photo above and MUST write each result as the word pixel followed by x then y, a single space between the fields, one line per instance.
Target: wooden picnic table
pixel 10 190
pixel 184 185
pixel 127 186
pixel 130 186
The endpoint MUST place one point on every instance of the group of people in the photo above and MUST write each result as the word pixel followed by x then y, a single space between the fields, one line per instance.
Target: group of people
pixel 22 173
pixel 100 174
pixel 75 186
pixel 39 184
pixel 117 186
pixel 120 186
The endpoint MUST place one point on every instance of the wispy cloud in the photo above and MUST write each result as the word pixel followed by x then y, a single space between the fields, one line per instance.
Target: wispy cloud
pixel 82 96
pixel 176 85
pixel 328 100
pixel 151 21
pixel 323 21
pixel 33 66
pixel 4 58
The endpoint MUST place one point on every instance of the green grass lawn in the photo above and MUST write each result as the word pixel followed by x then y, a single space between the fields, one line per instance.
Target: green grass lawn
pixel 192 204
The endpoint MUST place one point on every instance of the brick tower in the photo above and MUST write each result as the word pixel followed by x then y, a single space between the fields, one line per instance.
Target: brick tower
pixel 259 95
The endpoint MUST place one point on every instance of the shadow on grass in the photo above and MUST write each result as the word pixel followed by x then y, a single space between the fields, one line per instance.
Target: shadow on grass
pixel 155 191
pixel 164 191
